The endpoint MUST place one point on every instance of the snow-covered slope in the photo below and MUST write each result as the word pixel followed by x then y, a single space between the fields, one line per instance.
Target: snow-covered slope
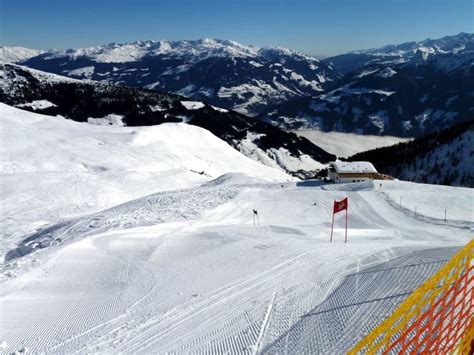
pixel 188 272
pixel 118 239
pixel 445 157
pixel 109 104
pixel 17 54
pixel 221 72
pixel 52 168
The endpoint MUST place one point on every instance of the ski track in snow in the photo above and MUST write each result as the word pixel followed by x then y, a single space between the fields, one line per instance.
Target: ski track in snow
pixel 186 272
pixel 157 208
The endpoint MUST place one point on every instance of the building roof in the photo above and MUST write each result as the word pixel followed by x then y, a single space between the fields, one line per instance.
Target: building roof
pixel 353 167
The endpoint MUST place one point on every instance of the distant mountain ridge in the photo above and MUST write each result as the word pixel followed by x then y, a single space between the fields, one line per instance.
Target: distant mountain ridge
pixel 442 45
pixel 405 90
pixel 224 73
pixel 110 104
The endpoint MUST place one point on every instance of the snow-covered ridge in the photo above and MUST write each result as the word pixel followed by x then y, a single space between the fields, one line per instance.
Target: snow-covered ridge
pixel 200 150
pixel 447 44
pixel 199 49
pixel 199 69
pixel 42 76
pixel 17 54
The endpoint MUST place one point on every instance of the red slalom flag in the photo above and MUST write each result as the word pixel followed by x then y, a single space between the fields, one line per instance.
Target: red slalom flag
pixel 338 207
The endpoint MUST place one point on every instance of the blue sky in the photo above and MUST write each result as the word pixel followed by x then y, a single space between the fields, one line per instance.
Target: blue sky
pixel 324 27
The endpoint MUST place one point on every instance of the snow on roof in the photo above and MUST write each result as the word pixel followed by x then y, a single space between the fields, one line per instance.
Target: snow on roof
pixel 353 167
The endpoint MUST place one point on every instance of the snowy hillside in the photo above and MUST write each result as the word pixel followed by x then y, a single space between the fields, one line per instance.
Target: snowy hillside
pixel 103 103
pixel 54 168
pixel 445 157
pixel 221 72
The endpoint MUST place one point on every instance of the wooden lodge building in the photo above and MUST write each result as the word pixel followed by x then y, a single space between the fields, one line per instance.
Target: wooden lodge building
pixel 356 171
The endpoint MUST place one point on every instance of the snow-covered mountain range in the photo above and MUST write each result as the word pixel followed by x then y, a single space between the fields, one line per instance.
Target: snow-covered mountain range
pixel 403 90
pixel 109 104
pixel 224 73
pixel 406 90
pixel 407 50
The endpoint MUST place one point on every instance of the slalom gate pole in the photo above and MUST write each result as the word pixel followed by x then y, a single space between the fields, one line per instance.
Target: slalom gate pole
pixel 332 226
pixel 345 240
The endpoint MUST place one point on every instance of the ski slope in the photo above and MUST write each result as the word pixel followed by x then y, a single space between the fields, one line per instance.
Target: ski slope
pixel 166 279
pixel 176 264
pixel 54 169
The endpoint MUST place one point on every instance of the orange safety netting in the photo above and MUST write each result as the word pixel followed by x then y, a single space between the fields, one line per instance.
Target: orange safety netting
pixel 437 318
